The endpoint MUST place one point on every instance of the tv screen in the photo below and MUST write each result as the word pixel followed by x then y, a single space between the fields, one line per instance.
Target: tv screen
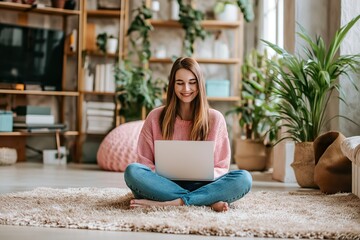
pixel 31 56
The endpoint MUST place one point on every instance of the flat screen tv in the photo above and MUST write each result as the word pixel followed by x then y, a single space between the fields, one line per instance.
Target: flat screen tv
pixel 31 56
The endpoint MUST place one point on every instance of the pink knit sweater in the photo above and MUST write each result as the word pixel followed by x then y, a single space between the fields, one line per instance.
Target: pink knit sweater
pixel 218 133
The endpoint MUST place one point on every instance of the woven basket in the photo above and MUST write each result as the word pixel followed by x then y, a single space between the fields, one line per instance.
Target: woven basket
pixel 8 156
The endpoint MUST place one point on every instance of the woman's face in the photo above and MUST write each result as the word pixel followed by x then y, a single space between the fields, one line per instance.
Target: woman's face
pixel 186 85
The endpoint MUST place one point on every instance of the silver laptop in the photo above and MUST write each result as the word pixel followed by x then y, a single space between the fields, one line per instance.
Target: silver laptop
pixel 185 160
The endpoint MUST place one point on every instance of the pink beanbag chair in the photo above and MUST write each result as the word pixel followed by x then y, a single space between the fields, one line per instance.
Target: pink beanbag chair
pixel 118 149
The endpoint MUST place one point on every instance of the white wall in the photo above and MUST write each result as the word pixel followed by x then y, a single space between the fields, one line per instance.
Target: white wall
pixel 351 45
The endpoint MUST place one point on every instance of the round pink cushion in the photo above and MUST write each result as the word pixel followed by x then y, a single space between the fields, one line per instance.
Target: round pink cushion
pixel 118 149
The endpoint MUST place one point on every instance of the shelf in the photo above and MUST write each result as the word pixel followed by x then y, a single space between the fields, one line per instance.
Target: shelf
pixel 19 134
pixel 44 10
pixel 199 60
pixel 41 93
pixel 206 24
pixel 224 99
pixel 104 13
pixel 101 54
pixel 98 93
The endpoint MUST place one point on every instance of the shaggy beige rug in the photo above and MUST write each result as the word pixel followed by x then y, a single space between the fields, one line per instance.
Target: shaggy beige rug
pixel 259 214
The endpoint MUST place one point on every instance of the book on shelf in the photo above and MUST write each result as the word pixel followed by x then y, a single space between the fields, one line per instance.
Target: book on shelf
pixel 39 127
pixel 35 119
pixel 100 105
pixel 104 78
pixel 32 110
pixel 100 112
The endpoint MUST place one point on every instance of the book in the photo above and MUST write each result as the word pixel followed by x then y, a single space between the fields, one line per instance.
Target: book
pixel 32 110
pixel 100 112
pixel 39 127
pixel 35 119
pixel 101 105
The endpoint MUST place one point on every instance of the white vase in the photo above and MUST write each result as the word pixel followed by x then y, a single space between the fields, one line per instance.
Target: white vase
pixel 174 10
pixel 230 13
pixel 221 50
pixel 111 45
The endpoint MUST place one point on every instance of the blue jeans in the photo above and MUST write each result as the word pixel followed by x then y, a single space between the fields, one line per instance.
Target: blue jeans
pixel 145 184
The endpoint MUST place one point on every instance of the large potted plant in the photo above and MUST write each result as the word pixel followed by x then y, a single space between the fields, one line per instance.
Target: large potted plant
pixel 255 112
pixel 304 85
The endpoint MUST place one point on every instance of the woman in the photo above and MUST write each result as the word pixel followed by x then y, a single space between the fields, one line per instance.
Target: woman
pixel 186 116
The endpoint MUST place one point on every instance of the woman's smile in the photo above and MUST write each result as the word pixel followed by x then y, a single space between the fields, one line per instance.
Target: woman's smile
pixel 186 85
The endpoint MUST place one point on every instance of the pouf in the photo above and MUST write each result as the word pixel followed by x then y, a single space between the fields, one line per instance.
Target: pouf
pixel 118 149
pixel 8 156
pixel 333 169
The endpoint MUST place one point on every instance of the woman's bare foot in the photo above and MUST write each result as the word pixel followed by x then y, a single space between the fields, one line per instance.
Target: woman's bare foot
pixel 220 206
pixel 143 203
pixel 135 203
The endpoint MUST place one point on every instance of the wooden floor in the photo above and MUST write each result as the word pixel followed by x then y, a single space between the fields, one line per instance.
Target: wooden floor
pixel 27 176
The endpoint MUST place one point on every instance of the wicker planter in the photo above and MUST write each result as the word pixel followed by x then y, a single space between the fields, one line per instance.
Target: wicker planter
pixel 250 155
pixel 304 164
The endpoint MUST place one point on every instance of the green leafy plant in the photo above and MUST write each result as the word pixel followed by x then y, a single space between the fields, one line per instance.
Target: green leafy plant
pixel 304 84
pixel 245 7
pixel 136 89
pixel 190 19
pixel 256 111
pixel 139 30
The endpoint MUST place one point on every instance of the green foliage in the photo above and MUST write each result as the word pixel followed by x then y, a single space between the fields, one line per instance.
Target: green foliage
pixel 190 19
pixel 256 112
pixel 304 85
pixel 101 40
pixel 139 31
pixel 135 88
pixel 245 7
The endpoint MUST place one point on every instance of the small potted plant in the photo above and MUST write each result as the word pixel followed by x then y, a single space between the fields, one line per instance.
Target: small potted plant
pixel 107 43
pixel 256 113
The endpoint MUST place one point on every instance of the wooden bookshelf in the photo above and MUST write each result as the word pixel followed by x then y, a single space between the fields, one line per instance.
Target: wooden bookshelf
pixel 36 9
pixel 38 92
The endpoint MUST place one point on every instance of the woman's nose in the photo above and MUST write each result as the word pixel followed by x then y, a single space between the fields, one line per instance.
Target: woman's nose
pixel 187 86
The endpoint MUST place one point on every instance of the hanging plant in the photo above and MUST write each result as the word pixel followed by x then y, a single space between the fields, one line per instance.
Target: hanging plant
pixel 139 31
pixel 190 19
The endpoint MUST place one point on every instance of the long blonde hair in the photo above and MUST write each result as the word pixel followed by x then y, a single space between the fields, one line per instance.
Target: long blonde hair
pixel 200 127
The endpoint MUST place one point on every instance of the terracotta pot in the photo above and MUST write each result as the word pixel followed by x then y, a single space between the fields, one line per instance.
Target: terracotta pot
pixel 250 155
pixel 304 164
pixel 58 3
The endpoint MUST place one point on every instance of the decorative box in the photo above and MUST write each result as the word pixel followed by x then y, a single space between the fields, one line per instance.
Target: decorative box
pixel 6 121
pixel 218 88
pixel 50 156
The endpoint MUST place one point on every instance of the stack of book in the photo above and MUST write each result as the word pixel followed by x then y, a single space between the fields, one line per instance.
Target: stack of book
pixel 99 116
pixel 35 118
pixel 103 80
pixel 34 115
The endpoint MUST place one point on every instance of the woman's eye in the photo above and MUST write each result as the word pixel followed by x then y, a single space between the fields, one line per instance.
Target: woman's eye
pixel 192 83
pixel 179 83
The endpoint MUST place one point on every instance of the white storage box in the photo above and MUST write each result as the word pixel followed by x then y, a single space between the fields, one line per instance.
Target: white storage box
pixel 51 156
pixel 283 157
